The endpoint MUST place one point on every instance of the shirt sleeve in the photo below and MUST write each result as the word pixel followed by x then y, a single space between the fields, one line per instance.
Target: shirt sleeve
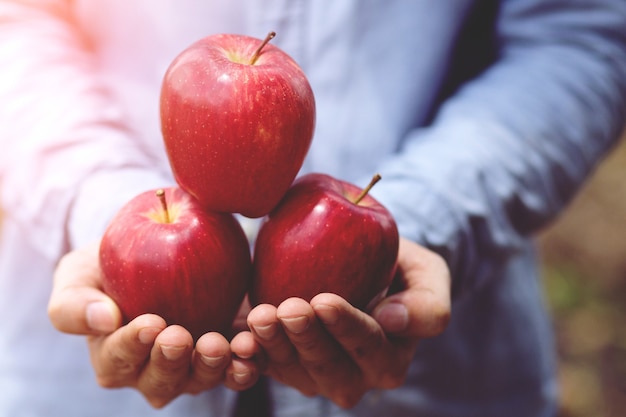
pixel 68 160
pixel 510 148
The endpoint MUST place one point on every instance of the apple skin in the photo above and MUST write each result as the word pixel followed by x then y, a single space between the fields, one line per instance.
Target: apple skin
pixel 236 134
pixel 193 271
pixel 317 240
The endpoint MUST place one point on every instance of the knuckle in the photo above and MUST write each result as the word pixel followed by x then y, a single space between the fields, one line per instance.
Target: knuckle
pixel 323 366
pixel 373 343
pixel 161 387
pixel 158 402
pixel 439 319
pixel 108 381
pixel 159 393
pixel 122 367
pixel 119 373
pixel 306 344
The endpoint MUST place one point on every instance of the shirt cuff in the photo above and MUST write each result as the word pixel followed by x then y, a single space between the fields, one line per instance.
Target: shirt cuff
pixel 101 197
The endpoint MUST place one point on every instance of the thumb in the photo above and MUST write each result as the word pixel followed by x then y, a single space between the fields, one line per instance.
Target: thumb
pixel 77 305
pixel 422 308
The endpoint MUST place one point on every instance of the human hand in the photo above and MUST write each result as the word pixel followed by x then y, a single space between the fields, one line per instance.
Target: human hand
pixel 330 348
pixel 158 360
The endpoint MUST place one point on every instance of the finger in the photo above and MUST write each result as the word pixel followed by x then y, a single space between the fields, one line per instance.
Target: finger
pixel 247 362
pixel 168 370
pixel 210 359
pixel 77 305
pixel 281 356
pixel 335 374
pixel 241 374
pixel 244 346
pixel 383 364
pixel 265 328
pixel 422 309
pixel 119 358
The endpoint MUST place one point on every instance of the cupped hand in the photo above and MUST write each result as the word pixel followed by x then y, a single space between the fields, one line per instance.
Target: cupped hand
pixel 328 347
pixel 158 360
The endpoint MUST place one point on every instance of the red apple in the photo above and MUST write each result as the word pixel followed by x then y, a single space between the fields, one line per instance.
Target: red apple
pixel 326 235
pixel 237 117
pixel 164 254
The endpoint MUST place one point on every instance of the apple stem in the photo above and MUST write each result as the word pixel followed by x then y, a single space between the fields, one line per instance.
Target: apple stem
pixel 268 38
pixel 367 189
pixel 160 193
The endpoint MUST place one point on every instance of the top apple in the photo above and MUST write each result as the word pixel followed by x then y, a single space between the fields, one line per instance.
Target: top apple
pixel 237 117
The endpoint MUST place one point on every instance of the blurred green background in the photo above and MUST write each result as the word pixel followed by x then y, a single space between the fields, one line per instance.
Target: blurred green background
pixel 584 267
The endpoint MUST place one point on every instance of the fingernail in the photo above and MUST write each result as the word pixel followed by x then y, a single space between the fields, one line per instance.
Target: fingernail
pixel 212 361
pixel 296 324
pixel 241 377
pixel 327 314
pixel 148 334
pixel 265 332
pixel 393 317
pixel 99 317
pixel 244 356
pixel 172 353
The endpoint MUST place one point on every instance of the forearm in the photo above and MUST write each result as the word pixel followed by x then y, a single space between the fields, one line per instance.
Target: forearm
pixel 62 134
pixel 510 149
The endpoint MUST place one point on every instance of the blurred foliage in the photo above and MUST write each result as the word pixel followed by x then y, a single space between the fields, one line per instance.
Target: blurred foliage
pixel 591 336
pixel 584 269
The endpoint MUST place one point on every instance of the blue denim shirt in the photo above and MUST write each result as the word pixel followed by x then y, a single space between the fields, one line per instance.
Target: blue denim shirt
pixel 483 117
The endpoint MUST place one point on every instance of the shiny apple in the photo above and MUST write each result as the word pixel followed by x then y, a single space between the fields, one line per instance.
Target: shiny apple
pixel 164 254
pixel 326 235
pixel 237 117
